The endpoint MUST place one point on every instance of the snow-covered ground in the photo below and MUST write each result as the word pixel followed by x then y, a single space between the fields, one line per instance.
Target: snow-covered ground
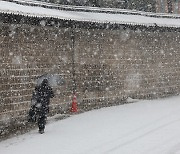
pixel 144 127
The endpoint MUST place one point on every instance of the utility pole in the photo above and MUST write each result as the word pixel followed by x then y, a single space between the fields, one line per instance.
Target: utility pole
pixel 73 56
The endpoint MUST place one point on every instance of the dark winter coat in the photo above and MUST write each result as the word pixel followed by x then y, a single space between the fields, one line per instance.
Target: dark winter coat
pixel 40 100
pixel 44 93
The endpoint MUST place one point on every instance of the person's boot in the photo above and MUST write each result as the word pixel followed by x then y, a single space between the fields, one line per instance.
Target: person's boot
pixel 41 131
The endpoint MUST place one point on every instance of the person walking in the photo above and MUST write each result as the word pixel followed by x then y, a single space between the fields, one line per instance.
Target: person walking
pixel 40 104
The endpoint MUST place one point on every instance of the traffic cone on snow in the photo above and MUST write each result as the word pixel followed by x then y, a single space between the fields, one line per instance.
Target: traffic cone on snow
pixel 74 104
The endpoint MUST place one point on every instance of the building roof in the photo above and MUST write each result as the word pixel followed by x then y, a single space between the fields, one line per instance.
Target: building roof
pixel 88 14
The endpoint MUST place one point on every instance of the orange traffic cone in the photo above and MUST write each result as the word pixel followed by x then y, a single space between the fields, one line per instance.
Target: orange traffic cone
pixel 74 104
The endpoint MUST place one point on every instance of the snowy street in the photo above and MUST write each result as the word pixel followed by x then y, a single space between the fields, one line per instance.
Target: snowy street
pixel 145 127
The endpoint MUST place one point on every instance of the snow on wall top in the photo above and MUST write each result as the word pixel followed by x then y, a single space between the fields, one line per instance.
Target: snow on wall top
pixel 91 16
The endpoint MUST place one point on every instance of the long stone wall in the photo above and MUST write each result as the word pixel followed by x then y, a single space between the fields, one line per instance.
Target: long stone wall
pixel 116 64
pixel 103 65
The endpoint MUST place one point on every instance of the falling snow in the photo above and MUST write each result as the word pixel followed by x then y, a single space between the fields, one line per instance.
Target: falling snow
pixel 103 57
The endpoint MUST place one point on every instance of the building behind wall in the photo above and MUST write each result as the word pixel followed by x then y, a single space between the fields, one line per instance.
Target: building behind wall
pixel 159 6
pixel 168 6
pixel 141 5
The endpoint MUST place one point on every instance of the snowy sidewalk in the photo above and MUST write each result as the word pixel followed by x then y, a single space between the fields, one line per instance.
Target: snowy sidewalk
pixel 145 127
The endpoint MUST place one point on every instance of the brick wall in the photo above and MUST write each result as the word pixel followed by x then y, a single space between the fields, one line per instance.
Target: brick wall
pixel 121 63
pixel 110 65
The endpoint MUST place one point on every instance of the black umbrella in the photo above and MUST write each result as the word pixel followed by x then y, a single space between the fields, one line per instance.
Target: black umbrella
pixel 53 79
